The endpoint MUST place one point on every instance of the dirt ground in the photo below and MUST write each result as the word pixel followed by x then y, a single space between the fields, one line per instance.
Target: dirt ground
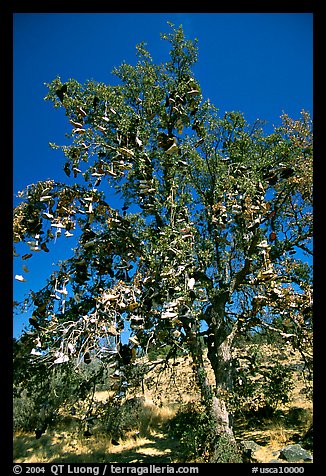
pixel 162 396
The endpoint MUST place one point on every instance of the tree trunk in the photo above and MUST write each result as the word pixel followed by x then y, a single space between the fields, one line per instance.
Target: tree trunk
pixel 220 336
pixel 219 344
pixel 222 367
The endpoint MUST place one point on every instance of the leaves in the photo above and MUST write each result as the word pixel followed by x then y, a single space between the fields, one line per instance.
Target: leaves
pixel 61 92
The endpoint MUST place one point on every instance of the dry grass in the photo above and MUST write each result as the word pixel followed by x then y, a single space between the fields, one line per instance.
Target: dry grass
pixel 148 443
pixel 286 427
pixel 50 448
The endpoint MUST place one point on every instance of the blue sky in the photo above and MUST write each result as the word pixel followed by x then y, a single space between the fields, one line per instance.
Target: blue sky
pixel 258 63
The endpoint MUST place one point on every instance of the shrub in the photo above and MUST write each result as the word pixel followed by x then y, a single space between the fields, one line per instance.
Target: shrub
pixel 190 426
pixel 196 434
pixel 261 383
pixel 25 413
pixel 279 385
pixel 132 414
pixel 226 451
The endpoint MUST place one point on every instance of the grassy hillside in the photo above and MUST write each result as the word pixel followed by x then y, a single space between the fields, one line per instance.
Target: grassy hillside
pixel 138 429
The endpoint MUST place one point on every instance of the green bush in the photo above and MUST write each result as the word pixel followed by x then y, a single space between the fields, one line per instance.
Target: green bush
pixel 191 426
pixel 279 384
pixel 121 417
pixel 25 413
pixel 197 436
pixel 41 395
pixel 261 383
pixel 226 451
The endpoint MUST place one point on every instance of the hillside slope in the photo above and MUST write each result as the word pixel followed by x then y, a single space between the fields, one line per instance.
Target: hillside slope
pixel 140 429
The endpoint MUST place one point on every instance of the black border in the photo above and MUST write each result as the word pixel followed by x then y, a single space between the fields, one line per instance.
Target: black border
pixel 6 77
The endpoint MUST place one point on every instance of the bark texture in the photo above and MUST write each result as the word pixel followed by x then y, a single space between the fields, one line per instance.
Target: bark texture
pixel 219 343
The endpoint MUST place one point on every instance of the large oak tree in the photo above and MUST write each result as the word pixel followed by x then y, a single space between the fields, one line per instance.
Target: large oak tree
pixel 212 238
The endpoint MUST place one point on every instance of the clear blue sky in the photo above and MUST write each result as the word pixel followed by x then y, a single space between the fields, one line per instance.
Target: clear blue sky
pixel 258 63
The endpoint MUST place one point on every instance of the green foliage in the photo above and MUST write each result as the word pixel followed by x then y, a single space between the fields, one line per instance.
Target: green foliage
pixel 118 418
pixel 193 428
pixel 40 391
pixel 25 413
pixel 226 451
pixel 159 352
pixel 261 383
pixel 280 384
pixel 42 395
pixel 196 433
